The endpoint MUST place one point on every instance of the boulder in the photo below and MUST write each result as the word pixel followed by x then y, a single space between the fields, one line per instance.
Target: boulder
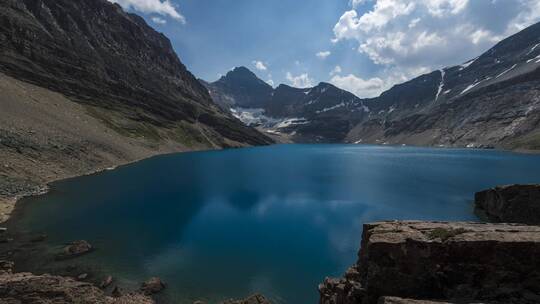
pixel 152 286
pixel 75 249
pixel 510 204
pixel 461 262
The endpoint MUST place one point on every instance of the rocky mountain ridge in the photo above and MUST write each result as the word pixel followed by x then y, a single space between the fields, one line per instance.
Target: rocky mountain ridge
pixel 322 113
pixel 490 101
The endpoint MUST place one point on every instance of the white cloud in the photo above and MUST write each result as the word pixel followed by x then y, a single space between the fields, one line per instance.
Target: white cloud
pixel 360 87
pixel 335 71
pixel 159 20
pixel 160 7
pixel 408 37
pixel 300 81
pixel 323 54
pixel 259 65
pixel 270 82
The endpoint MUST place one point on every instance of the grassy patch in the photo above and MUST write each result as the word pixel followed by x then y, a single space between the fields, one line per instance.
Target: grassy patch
pixel 187 134
pixel 444 234
pixel 124 126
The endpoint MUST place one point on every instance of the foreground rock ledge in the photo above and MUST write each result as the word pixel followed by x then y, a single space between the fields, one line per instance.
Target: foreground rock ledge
pixel 442 261
pixel 28 288
pixel 510 204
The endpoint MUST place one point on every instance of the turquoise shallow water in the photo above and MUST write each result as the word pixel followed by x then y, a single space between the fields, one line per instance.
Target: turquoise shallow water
pixel 275 220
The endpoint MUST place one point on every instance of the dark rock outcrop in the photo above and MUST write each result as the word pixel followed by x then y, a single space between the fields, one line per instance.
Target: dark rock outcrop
pixel 152 286
pixel 510 204
pixel 461 262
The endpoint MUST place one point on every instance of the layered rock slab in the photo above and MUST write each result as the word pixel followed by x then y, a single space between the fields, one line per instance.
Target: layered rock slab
pixel 467 262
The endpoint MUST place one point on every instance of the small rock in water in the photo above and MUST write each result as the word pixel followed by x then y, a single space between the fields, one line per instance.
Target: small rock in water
pixel 82 276
pixel 75 249
pixel 152 286
pixel 38 238
pixel 106 282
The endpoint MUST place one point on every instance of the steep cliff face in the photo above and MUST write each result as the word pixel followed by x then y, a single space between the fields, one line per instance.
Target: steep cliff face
pixel 454 262
pixel 510 204
pixel 97 54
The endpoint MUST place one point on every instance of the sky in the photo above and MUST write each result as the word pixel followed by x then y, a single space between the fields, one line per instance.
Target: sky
pixel 363 46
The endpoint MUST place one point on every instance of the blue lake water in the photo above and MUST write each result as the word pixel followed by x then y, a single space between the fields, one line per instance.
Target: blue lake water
pixel 274 220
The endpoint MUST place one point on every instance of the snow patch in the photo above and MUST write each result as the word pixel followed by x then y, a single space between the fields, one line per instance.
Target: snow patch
pixel 257 117
pixel 506 71
pixel 470 87
pixel 441 85
pixel 533 48
pixel 447 91
pixel 339 105
pixel 467 64
pixel 290 122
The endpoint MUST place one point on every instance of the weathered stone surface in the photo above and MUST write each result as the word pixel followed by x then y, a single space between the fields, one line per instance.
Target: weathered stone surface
pixel 510 204
pixel 152 286
pixel 44 289
pixel 75 249
pixel 439 260
pixel 254 299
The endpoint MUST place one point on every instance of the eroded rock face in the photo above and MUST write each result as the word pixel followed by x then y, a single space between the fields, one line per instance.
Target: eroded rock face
pixel 29 288
pixel 496 263
pixel 510 204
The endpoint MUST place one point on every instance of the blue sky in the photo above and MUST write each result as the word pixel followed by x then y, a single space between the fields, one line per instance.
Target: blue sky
pixel 364 46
